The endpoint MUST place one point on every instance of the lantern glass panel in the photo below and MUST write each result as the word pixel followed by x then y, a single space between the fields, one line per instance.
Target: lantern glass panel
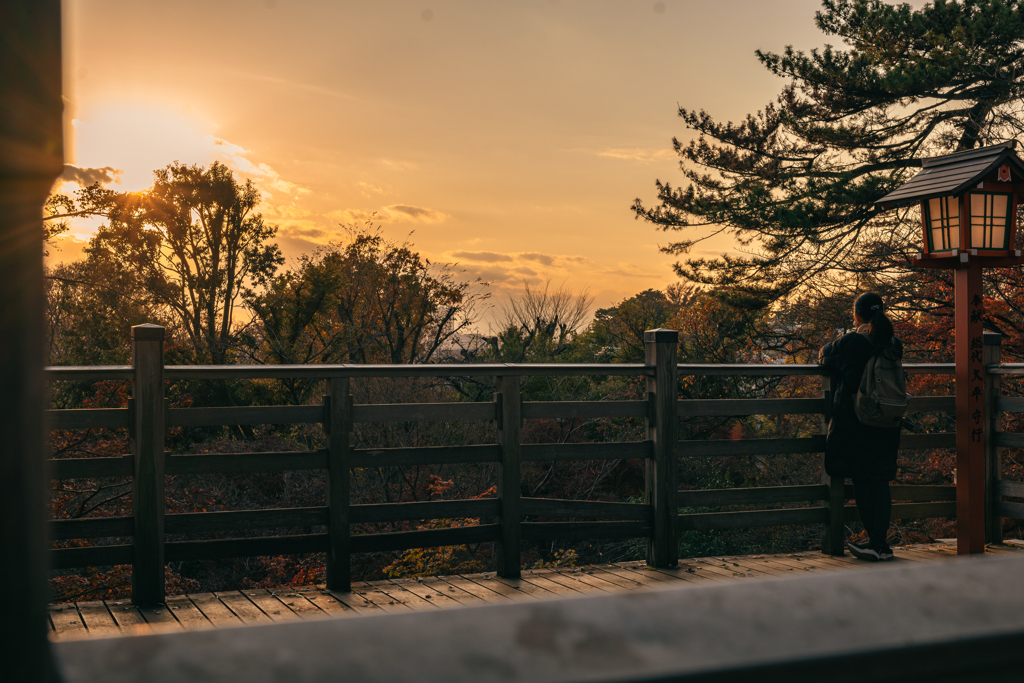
pixel 990 217
pixel 943 224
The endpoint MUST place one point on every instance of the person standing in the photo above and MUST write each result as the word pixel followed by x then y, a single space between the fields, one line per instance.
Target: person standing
pixel 864 454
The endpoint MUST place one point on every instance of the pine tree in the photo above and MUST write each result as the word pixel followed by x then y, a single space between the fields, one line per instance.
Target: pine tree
pixel 795 184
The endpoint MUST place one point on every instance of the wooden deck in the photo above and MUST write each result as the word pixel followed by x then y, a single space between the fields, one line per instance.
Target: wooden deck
pixel 252 606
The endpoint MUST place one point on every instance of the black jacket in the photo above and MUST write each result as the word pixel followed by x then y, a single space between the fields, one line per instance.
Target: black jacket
pixel 853 449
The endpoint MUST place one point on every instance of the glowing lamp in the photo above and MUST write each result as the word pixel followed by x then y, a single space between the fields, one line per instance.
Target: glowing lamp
pixel 968 205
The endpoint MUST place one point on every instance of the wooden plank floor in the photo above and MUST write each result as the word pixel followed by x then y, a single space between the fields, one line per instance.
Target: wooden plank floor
pixel 256 606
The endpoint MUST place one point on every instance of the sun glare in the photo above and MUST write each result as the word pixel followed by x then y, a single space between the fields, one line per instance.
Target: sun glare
pixel 140 139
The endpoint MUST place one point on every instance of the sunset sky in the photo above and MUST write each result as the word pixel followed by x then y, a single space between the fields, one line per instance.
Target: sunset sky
pixel 512 137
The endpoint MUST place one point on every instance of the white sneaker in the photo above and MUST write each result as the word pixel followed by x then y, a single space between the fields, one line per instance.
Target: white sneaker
pixel 863 552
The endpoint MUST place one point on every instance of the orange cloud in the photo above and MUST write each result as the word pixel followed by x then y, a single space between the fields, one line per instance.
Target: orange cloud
pixel 84 176
pixel 395 213
pixel 640 154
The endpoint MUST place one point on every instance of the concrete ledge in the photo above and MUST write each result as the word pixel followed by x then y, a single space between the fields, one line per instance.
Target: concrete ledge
pixel 957 620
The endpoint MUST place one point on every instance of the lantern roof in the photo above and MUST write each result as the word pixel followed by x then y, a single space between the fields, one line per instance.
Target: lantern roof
pixel 953 174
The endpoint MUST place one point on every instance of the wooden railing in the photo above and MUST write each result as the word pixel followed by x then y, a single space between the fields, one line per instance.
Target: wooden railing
pixel 657 519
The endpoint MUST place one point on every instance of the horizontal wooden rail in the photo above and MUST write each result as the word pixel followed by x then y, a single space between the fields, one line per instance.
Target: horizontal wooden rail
pixel 750 369
pixel 1006 487
pixel 791 494
pixel 814 444
pixel 1010 404
pixel 765 495
pixel 232 463
pixel 95 418
pixel 234 520
pixel 91 527
pixel 554 507
pixel 186 551
pixel 92 468
pixel 176 372
pixel 750 406
pixel 415 412
pixel 95 556
pixel 784 369
pixel 428 455
pixel 729 448
pixel 927 404
pixel 1006 369
pixel 182 551
pixel 1009 440
pixel 552 452
pixel 585 531
pixel 930 368
pixel 317 460
pixel 709 521
pixel 921 493
pixel 584 409
pixel 912 511
pixel 400 412
pixel 95 373
pixel 434 509
pixel 244 415
pixel 936 440
pixel 791 406
pixel 1007 509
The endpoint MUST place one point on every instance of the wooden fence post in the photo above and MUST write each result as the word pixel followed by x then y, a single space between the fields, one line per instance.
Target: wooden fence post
pixel 833 534
pixel 148 483
pixel 992 355
pixel 509 414
pixel 338 425
pixel 661 350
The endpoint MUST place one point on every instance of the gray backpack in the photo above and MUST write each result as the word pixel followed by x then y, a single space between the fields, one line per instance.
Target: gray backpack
pixel 882 396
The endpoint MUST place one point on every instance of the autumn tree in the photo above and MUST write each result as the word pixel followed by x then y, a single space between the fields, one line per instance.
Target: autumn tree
pixel 60 209
pixel 368 300
pixel 195 244
pixel 795 183
pixel 90 307
pixel 536 325
pixel 618 331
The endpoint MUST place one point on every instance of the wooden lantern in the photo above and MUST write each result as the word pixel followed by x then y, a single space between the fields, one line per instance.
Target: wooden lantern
pixel 968 222
pixel 968 206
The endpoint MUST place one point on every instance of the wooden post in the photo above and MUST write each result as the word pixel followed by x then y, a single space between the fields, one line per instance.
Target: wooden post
pixel 338 425
pixel 148 484
pixel 833 534
pixel 661 350
pixel 992 355
pixel 31 158
pixel 510 415
pixel 970 412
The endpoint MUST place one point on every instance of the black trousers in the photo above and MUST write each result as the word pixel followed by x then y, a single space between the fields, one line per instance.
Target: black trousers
pixel 874 503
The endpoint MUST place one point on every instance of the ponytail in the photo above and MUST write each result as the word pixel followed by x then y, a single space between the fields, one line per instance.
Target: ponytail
pixel 870 308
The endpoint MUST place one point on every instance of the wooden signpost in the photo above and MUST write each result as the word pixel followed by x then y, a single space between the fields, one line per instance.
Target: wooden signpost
pixel 969 222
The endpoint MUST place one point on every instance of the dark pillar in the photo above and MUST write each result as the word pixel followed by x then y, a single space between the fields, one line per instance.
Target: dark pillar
pixel 661 351
pixel 970 412
pixel 148 483
pixel 31 158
